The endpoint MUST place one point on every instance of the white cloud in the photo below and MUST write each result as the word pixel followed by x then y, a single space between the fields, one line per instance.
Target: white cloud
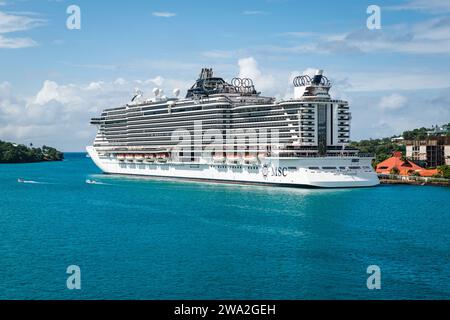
pixel 219 54
pixel 248 68
pixel 298 34
pixel 368 121
pixel 394 80
pixel 96 85
pixel 434 6
pixel 254 12
pixel 96 66
pixel 120 82
pixel 16 43
pixel 393 101
pixel 48 93
pixel 12 23
pixel 67 108
pixel 426 37
pixel 164 14
pixel 15 22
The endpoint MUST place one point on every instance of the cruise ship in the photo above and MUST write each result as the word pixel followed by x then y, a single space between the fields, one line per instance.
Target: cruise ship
pixel 228 132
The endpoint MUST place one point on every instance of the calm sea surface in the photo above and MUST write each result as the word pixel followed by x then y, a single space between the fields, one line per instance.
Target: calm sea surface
pixel 152 239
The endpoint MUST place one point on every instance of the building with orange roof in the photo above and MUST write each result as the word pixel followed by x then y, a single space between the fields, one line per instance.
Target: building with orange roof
pixel 403 166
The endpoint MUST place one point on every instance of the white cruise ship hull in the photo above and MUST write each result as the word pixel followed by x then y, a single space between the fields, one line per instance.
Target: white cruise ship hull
pixel 323 172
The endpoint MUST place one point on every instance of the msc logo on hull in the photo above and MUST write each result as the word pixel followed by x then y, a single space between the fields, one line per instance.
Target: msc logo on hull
pixel 274 171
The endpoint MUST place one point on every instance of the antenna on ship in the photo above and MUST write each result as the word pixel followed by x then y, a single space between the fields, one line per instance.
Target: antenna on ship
pixel 156 93
pixel 137 94
pixel 161 95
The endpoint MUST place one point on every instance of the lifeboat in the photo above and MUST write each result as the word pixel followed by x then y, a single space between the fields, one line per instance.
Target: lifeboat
pixel 250 159
pixel 121 157
pixel 219 158
pixel 234 158
pixel 149 158
pixel 139 157
pixel 129 157
pixel 262 156
pixel 162 157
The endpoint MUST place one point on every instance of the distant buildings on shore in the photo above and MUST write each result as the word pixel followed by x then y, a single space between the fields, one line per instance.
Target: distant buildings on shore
pixel 404 167
pixel 427 147
pixel 431 152
pixel 439 130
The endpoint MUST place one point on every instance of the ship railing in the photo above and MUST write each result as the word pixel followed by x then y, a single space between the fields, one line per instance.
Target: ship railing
pixel 315 155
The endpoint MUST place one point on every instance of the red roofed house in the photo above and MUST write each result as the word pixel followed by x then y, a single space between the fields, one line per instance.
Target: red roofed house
pixel 404 167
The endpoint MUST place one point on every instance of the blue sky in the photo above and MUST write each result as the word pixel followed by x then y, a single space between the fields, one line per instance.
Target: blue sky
pixel 52 79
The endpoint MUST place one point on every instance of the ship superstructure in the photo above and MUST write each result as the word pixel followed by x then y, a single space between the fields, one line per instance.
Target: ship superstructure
pixel 229 132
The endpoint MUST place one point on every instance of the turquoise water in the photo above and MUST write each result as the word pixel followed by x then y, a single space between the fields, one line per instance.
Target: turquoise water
pixel 149 239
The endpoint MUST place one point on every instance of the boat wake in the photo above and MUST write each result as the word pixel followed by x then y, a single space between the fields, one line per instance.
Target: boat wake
pixel 29 181
pixel 89 181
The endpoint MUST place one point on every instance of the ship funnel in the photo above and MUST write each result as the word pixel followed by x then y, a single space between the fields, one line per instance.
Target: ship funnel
pixel 318 86
pixel 206 73
pixel 317 77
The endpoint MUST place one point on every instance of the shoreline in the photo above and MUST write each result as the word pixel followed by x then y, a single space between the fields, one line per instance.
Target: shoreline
pixel 414 181
pixel 29 162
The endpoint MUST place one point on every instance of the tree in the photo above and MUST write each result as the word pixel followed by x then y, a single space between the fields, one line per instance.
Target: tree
pixel 12 153
pixel 395 171
pixel 445 171
pixel 416 134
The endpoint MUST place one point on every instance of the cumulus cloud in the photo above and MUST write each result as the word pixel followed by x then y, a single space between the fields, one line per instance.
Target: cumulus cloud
pixel 248 68
pixel 424 108
pixel 58 114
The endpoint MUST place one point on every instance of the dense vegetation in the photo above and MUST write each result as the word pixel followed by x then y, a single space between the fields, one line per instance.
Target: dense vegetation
pixel 419 134
pixel 12 153
pixel 416 134
pixel 383 148
pixel 380 148
pixel 444 171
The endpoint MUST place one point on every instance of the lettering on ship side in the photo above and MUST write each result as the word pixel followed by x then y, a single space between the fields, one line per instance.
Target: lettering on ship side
pixel 279 171
pixel 274 171
pixel 265 171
